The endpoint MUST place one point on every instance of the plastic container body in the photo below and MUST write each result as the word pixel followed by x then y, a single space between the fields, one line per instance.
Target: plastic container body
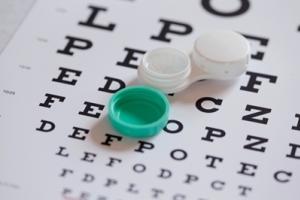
pixel 164 68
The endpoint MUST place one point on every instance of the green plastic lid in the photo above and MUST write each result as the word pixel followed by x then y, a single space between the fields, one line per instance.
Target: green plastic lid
pixel 138 111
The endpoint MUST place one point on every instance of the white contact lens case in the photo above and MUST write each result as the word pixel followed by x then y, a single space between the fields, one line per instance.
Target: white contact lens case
pixel 215 55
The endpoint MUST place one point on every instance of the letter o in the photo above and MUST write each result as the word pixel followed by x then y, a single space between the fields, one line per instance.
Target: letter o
pixel 244 6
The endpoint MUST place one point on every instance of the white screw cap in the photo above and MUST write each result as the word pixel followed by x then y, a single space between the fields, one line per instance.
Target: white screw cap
pixel 223 54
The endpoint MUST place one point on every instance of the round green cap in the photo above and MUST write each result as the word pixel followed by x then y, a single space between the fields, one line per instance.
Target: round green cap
pixel 138 111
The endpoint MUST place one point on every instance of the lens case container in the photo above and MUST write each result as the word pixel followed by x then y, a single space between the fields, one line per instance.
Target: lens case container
pixel 216 55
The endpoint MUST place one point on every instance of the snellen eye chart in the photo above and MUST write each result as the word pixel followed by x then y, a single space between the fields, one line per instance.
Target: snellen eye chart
pixel 224 139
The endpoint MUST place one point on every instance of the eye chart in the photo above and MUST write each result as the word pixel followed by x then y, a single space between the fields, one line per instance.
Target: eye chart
pixel 237 139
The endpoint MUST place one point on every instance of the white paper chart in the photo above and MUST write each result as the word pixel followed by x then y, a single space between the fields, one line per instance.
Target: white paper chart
pixel 236 139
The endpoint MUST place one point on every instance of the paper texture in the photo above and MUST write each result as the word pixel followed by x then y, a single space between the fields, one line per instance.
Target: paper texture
pixel 236 139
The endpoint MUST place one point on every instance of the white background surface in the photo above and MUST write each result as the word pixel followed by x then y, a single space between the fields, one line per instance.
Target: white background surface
pixel 12 13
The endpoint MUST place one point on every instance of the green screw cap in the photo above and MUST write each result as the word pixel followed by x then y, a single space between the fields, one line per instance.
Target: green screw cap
pixel 138 111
